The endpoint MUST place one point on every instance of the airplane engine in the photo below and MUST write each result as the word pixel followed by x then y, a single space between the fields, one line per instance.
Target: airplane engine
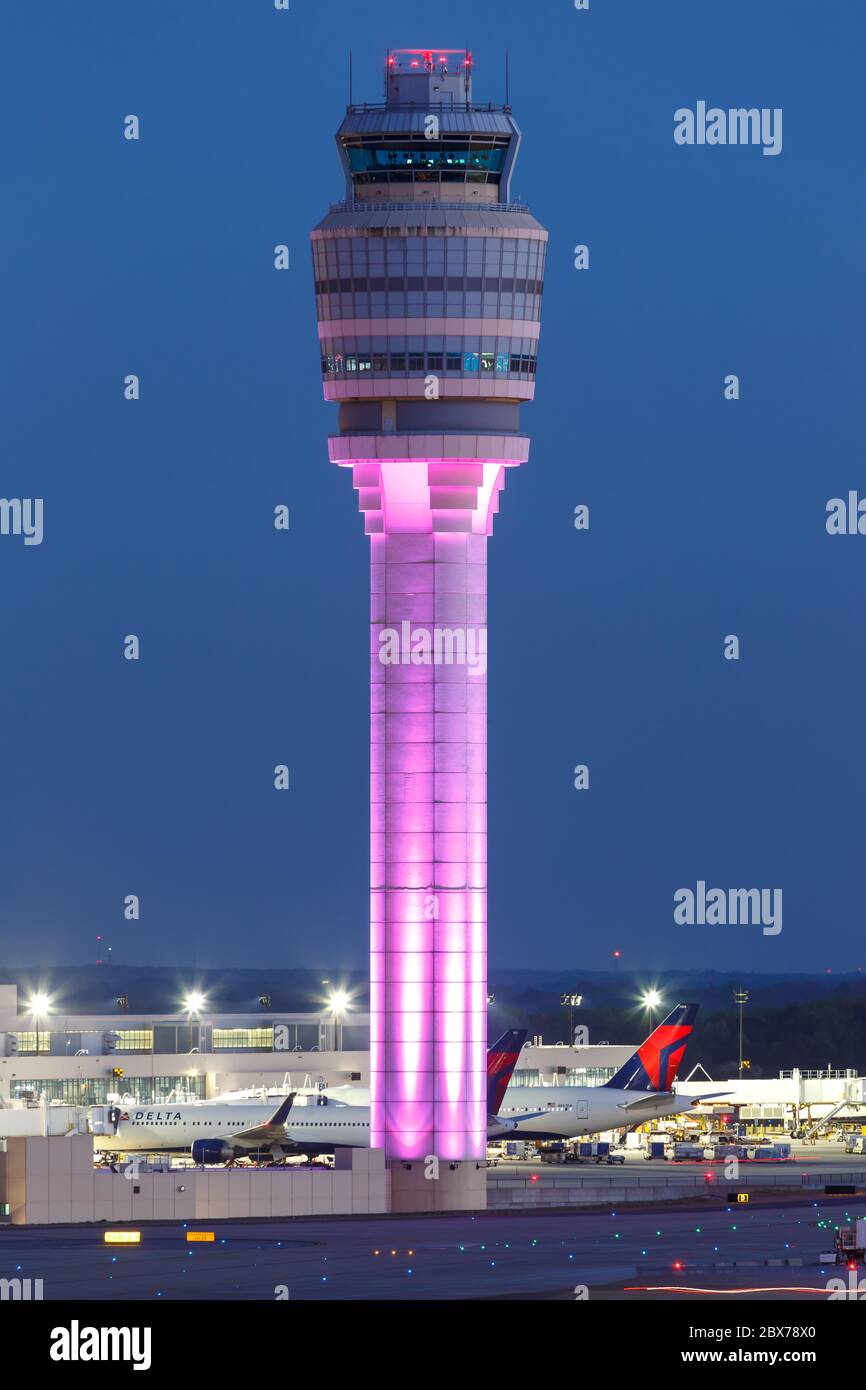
pixel 211 1151
pixel 497 1128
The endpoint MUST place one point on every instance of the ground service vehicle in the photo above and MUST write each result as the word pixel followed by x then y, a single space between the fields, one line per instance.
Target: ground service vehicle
pixel 850 1244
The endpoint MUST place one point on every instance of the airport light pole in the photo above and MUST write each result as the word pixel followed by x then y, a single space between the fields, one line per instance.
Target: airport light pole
pixel 193 1004
pixel 651 1001
pixel 338 1003
pixel 39 1007
pixel 741 997
pixel 572 1002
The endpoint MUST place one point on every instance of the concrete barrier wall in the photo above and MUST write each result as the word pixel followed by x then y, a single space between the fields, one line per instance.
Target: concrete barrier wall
pixel 50 1181
pixel 572 1189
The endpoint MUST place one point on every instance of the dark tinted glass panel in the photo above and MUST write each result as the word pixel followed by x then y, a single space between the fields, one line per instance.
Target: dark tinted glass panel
pixel 427 154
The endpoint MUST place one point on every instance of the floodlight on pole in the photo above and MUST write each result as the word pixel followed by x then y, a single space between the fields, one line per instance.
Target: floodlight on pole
pixel 39 1006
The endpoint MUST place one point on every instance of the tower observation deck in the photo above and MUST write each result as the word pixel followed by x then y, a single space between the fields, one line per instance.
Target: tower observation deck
pixel 428 279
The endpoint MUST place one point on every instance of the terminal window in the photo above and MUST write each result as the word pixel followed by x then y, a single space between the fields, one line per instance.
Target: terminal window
pixel 69 1090
pixel 134 1040
pixel 243 1039
pixel 588 1076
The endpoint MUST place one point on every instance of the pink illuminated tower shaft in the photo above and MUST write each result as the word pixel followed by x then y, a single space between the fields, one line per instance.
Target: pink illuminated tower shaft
pixel 428 852
pixel 428 521
pixel 428 856
pixel 428 293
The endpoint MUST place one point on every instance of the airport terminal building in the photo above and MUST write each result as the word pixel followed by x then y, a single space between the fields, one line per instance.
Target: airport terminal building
pixel 90 1059
pixel 81 1060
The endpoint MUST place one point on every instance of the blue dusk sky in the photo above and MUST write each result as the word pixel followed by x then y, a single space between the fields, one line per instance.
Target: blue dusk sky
pixel 707 516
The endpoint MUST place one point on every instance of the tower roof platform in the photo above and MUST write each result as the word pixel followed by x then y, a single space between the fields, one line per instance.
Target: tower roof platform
pixel 407 120
pixel 424 215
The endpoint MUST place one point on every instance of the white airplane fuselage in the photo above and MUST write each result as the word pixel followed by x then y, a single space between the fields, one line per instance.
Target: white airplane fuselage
pixel 175 1128
pixel 530 1112
pixel 568 1112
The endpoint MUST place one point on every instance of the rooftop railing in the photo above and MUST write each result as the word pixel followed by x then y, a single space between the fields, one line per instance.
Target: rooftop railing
pixel 420 205
pixel 362 107
pixel 823 1074
pixel 433 428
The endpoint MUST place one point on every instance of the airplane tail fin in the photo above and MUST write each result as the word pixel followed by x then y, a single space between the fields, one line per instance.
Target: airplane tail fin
pixel 501 1060
pixel 273 1129
pixel 281 1114
pixel 655 1064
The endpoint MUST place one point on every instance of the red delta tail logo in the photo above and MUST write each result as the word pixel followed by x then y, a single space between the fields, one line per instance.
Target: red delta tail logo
pixel 501 1060
pixel 655 1064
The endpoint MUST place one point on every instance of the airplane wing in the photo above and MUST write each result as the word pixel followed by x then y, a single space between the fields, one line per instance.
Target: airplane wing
pixel 649 1099
pixel 272 1129
pixel 497 1127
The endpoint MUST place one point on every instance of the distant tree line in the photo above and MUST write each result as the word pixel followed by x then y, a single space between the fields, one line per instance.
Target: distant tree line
pixel 813 1036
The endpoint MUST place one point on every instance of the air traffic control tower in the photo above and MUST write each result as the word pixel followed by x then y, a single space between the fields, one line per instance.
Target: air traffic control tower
pixel 428 290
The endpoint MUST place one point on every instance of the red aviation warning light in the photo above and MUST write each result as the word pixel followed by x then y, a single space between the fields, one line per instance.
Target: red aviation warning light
pixel 416 77
pixel 414 57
